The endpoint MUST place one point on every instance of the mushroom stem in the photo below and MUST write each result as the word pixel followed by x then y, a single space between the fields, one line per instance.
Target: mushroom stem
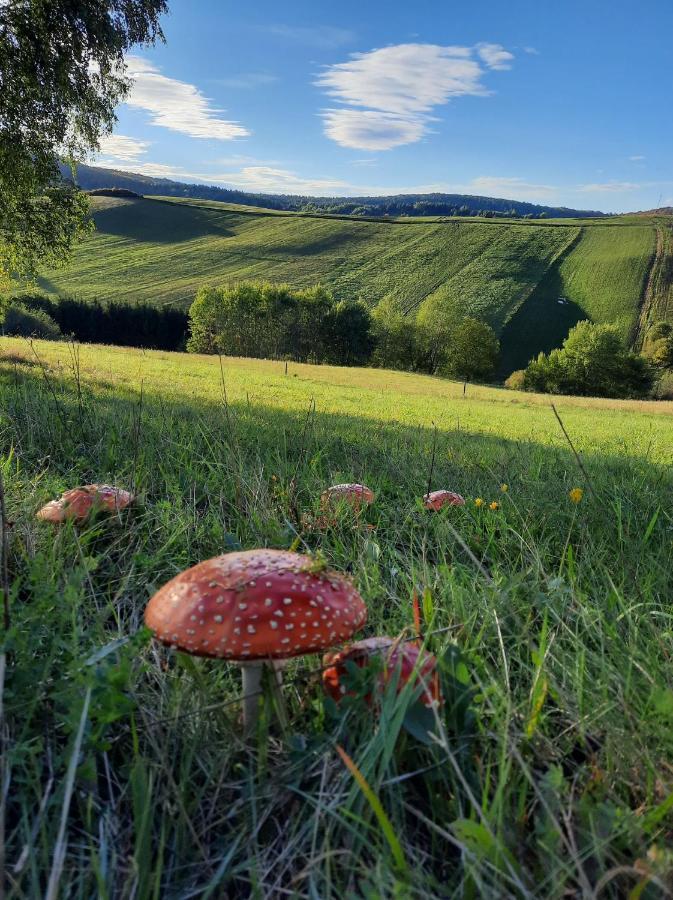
pixel 252 686
pixel 276 680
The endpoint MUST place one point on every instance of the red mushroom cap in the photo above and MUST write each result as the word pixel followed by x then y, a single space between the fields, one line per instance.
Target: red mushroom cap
pixel 437 499
pixel 256 604
pixel 405 655
pixel 79 502
pixel 355 494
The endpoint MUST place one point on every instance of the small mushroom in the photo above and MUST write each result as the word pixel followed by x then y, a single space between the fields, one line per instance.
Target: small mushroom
pixel 78 503
pixel 436 500
pixel 407 657
pixel 355 494
pixel 256 608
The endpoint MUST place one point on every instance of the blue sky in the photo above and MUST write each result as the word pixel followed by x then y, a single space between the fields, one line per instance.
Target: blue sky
pixel 554 102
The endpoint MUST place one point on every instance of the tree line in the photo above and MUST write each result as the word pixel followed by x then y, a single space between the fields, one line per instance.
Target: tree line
pixel 92 322
pixel 276 321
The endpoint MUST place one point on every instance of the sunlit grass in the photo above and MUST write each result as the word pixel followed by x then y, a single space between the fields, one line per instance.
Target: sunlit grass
pixel 547 772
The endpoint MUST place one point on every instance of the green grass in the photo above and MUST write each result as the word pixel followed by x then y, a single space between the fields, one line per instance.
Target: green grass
pixel 547 772
pixel 600 276
pixel 510 274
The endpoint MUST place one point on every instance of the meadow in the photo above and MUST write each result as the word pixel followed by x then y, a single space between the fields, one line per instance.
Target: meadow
pixel 508 273
pixel 545 773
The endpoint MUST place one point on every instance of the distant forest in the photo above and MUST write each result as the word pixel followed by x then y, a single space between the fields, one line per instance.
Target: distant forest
pixel 93 178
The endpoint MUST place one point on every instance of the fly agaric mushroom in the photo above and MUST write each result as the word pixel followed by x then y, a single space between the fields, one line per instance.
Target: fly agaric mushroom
pixel 80 502
pixel 355 494
pixel 438 499
pixel 413 664
pixel 256 608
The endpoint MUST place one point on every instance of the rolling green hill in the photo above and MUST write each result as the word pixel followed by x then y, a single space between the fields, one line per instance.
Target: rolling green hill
pixel 531 280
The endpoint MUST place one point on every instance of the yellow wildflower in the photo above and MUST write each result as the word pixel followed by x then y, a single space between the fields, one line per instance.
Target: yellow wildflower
pixel 504 488
pixel 478 502
pixel 494 505
pixel 576 494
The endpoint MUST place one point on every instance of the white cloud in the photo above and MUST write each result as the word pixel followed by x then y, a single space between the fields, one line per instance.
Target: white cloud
pixel 389 93
pixel 278 181
pixel 122 147
pixel 637 158
pixel 531 50
pixel 370 129
pixel 610 187
pixel 324 37
pixel 495 56
pixel 510 189
pixel 177 105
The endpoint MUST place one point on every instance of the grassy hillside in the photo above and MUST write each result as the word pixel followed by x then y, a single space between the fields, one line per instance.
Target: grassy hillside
pixel 545 773
pixel 511 274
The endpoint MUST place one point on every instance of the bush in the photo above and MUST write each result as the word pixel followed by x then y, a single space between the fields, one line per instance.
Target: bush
pixel 20 321
pixel 269 321
pixel 593 362
pixel 660 351
pixel 516 381
pixel 395 337
pixel 472 352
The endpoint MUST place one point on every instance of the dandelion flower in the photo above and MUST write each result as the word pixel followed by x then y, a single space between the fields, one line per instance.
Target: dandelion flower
pixel 479 502
pixel 494 505
pixel 576 494
pixel 504 488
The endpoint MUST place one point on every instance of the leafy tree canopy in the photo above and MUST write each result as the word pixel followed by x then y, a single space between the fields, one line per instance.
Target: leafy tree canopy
pixel 592 362
pixel 61 77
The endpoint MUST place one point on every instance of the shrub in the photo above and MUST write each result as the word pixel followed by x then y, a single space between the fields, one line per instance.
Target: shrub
pixel 21 321
pixel 660 351
pixel 592 362
pixel 659 330
pixel 395 336
pixel 516 381
pixel 263 320
pixel 472 351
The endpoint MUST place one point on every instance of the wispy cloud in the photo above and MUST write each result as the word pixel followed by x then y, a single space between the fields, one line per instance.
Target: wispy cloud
pixel 387 95
pixel 495 56
pixel 609 187
pixel 177 105
pixel 247 80
pixel 122 147
pixel 510 189
pixel 637 158
pixel 323 37
pixel 531 50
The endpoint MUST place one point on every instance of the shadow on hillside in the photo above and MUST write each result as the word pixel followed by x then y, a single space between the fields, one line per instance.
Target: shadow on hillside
pixel 158 222
pixel 542 322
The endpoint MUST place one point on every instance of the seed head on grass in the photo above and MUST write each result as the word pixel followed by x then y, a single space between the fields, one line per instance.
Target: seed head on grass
pixel 504 488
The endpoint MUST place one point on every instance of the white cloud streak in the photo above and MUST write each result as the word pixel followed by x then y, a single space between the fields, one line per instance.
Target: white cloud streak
pixel 610 187
pixel 177 105
pixel 387 95
pixel 495 56
pixel 121 147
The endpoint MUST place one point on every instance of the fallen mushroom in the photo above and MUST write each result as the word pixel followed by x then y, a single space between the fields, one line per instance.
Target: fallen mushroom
pixel 355 494
pixel 78 503
pixel 436 500
pixel 256 608
pixel 414 665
